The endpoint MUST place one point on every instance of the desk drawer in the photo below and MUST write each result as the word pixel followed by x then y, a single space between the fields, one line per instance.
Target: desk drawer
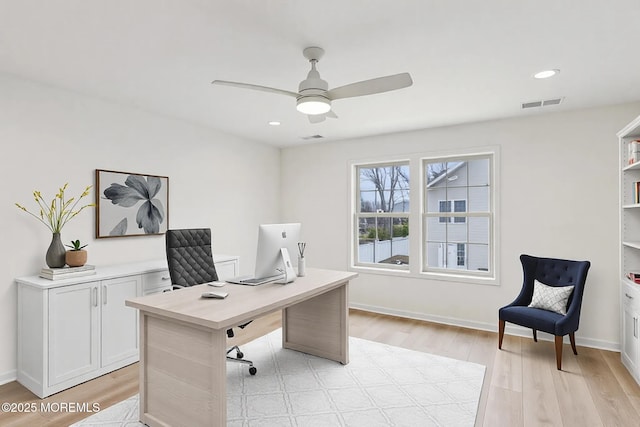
pixel 154 282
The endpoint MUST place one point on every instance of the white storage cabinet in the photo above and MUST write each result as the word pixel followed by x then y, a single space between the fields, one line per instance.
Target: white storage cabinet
pixel 73 330
pixel 630 247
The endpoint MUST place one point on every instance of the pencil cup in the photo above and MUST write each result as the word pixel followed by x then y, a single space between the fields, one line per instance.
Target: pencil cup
pixel 302 267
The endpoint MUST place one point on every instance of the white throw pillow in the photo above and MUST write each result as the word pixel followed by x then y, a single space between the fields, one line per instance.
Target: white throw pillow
pixel 550 298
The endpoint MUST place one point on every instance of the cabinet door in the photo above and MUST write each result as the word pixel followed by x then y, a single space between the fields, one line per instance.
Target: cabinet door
pixel 630 330
pixel 119 323
pixel 74 333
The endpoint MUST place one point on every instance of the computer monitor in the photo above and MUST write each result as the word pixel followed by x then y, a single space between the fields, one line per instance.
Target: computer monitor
pixel 271 238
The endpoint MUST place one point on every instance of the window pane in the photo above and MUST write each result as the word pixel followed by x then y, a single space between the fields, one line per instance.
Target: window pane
pixel 367 227
pixel 457 229
pixel 384 240
pixel 458 193
pixel 478 199
pixel 387 188
pixel 367 201
pixel 479 230
pixel 437 231
pixel 435 172
pixel 434 254
pixel 478 258
pixel 446 255
pixel 478 172
pixel 456 174
pixel 434 196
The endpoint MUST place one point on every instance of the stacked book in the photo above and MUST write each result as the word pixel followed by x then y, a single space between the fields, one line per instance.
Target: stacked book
pixel 635 277
pixel 634 151
pixel 67 272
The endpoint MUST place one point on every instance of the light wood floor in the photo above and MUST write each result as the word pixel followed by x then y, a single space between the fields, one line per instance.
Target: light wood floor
pixel 521 388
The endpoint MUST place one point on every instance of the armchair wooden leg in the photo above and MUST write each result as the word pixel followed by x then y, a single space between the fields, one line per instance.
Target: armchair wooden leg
pixel 500 333
pixel 572 338
pixel 535 335
pixel 559 352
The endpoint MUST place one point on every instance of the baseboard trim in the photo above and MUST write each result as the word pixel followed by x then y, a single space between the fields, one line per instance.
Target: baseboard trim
pixel 7 377
pixel 514 330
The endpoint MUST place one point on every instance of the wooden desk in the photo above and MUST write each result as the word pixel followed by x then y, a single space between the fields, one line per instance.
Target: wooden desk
pixel 183 340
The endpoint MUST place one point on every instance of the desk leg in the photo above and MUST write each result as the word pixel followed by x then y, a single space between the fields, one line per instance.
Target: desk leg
pixel 182 374
pixel 320 325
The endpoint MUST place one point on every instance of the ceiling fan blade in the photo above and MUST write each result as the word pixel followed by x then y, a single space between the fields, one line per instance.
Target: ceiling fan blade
pixel 318 118
pixel 254 87
pixel 369 87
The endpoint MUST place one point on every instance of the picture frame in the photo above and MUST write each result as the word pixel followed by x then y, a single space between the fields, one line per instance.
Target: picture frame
pixel 131 204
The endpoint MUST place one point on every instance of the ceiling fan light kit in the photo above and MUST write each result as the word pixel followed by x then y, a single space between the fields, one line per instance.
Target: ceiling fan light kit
pixel 314 97
pixel 313 105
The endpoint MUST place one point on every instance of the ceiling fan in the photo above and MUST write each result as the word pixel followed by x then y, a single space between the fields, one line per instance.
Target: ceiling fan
pixel 314 97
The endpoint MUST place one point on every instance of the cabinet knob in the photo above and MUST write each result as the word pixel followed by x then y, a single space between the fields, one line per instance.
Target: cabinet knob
pixel 166 278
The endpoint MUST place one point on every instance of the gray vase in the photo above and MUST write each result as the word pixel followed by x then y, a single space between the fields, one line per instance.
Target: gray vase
pixel 56 252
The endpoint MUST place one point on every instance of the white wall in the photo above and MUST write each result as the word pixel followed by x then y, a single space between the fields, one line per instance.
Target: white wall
pixel 51 136
pixel 558 186
pixel 559 196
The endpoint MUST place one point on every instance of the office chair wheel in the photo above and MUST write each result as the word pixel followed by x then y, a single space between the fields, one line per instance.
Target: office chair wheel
pixel 239 354
pixel 252 370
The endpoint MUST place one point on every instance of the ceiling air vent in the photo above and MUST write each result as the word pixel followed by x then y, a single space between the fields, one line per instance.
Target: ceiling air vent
pixel 544 103
pixel 551 102
pixel 306 138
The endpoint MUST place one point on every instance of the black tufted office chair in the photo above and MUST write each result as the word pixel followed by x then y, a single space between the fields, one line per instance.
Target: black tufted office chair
pixel 190 261
pixel 552 272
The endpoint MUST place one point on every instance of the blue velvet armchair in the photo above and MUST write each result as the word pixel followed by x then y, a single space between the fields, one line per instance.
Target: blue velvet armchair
pixel 551 272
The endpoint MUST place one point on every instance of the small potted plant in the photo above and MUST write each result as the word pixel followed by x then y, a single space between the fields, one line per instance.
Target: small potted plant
pixel 77 256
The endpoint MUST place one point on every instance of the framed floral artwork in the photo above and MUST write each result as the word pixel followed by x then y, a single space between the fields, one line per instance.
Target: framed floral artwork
pixel 131 204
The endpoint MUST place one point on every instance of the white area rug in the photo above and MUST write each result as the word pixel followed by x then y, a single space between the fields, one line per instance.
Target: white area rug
pixel 381 386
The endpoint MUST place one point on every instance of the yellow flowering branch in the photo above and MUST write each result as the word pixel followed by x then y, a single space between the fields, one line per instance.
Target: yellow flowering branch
pixel 56 214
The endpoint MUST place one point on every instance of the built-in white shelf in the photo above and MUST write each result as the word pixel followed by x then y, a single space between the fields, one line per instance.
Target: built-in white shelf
pixel 635 245
pixel 629 250
pixel 632 166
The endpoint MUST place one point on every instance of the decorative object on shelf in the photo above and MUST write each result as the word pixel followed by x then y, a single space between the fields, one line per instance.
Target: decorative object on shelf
pixel 67 272
pixel 55 256
pixel 77 256
pixel 634 151
pixel 302 262
pixel 634 277
pixel 54 216
pixel 131 204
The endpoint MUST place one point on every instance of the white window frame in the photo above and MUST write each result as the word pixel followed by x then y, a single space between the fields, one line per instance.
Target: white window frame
pixel 358 215
pixel 417 227
pixel 489 276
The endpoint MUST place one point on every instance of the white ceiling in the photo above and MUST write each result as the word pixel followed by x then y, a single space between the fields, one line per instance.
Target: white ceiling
pixel 470 60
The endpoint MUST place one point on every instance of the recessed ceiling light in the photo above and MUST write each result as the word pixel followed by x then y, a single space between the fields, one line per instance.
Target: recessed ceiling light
pixel 546 74
pixel 274 123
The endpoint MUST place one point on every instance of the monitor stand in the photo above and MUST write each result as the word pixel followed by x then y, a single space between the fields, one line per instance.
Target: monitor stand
pixel 289 272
